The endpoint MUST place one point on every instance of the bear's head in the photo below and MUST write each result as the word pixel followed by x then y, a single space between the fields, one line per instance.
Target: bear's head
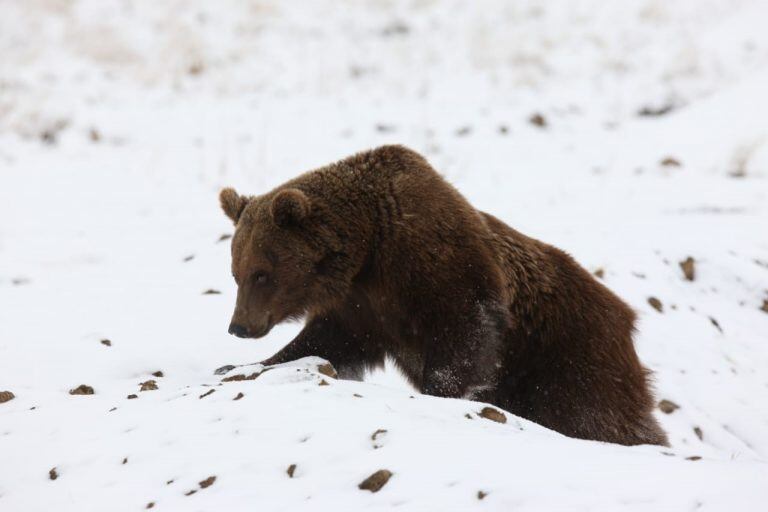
pixel 286 260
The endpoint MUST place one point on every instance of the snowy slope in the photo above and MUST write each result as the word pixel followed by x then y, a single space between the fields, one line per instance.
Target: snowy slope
pixel 120 121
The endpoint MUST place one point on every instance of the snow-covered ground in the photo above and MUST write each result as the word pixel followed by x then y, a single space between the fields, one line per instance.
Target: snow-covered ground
pixel 120 121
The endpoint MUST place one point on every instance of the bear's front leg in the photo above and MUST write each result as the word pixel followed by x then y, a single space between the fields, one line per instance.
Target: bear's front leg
pixel 327 337
pixel 462 361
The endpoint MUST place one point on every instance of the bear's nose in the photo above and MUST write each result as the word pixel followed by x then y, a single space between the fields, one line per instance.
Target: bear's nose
pixel 238 330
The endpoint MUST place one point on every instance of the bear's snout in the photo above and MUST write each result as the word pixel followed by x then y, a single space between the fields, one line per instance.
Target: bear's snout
pixel 252 331
pixel 238 330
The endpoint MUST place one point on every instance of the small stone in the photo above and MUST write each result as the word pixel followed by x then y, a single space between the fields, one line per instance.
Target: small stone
pixel 195 69
pixel 239 396
pixel 503 129
pixel 670 161
pixel 764 308
pixel 94 135
pixel 328 370
pixel 468 416
pixel 481 494
pixel 599 273
pixel 693 457
pixel 188 258
pixel 132 396
pixel 53 474
pixel 207 393
pixel 151 504
pixel 125 460
pixel 655 111
pixel 492 414
pixel 688 265
pixel 211 291
pixel 715 323
pixel 699 433
pixel 207 482
pixel 376 481
pixel 538 120
pixel 106 342
pixel 668 406
pixel 357 395
pixel 385 128
pixel 169 482
pixel 395 28
pixel 190 492
pixel 291 470
pixel 158 374
pixel 82 389
pixel 149 385
pixel 323 382
pixel 6 396
pixel 225 236
pixel 656 304
pixel 464 131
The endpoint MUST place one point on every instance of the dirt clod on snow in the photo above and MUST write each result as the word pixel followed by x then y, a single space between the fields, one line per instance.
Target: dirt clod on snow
pixel 688 265
pixel 82 389
pixel 492 414
pixel 149 385
pixel 376 481
pixel 656 304
pixel 668 406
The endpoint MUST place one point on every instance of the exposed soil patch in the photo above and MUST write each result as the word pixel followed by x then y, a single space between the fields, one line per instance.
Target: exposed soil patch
pixel 670 161
pixel 6 396
pixel 207 393
pixel 239 396
pixel 241 376
pixel 291 470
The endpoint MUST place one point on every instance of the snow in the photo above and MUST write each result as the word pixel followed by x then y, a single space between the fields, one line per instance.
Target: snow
pixel 121 120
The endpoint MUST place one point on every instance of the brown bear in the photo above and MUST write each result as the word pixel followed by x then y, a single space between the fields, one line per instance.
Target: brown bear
pixel 385 258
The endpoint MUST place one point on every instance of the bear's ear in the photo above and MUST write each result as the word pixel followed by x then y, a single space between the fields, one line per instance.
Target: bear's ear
pixel 289 207
pixel 232 203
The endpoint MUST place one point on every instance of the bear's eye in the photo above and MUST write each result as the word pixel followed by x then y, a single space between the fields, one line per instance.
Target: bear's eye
pixel 260 278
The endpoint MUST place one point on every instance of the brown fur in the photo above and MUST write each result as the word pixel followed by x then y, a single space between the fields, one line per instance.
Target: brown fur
pixel 385 258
